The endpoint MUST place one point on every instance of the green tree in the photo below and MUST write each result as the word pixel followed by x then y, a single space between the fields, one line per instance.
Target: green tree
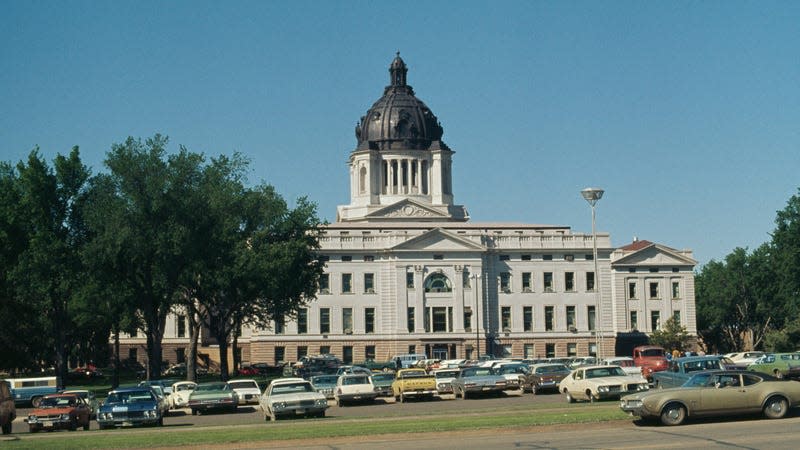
pixel 786 256
pixel 672 335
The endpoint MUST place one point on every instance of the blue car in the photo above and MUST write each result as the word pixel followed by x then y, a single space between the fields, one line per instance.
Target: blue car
pixel 130 406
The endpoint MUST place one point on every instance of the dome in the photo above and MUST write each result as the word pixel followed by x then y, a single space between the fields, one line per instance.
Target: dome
pixel 399 120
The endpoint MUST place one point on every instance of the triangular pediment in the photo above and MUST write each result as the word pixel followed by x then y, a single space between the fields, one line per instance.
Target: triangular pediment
pixel 655 255
pixel 438 239
pixel 408 209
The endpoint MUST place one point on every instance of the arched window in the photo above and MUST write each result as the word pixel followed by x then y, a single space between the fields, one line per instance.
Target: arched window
pixel 438 282
pixel 362 180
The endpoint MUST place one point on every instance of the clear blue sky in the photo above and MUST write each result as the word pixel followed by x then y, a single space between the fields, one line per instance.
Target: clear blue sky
pixel 686 112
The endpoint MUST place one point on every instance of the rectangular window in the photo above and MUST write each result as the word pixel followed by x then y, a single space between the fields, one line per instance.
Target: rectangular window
pixel 181 325
pixel 324 320
pixel 180 355
pixel 347 320
pixel 548 282
pixel 547 257
pixel 592 349
pixel 369 320
pixel 504 257
pixel 571 323
pixel 634 320
pixel 655 320
pixel 410 319
pixel 410 280
pixel 572 349
pixel 347 283
pixel 569 281
pixel 588 257
pixel 654 290
pixel 467 319
pixel 325 350
pixel 527 351
pixel 527 318
pixel 676 316
pixel 302 351
pixel 527 285
pixel 569 258
pixel 550 350
pixel 280 325
pixel 369 352
pixel 438 256
pixel 631 290
pixel 505 318
pixel 347 354
pixel 526 257
pixel 369 258
pixel 280 355
pixel 676 290
pixel 439 318
pixel 589 281
pixel 132 354
pixel 369 283
pixel 505 282
pixel 412 349
pixel 346 258
pixel 324 283
pixel 591 318
pixel 549 318
pixel 302 321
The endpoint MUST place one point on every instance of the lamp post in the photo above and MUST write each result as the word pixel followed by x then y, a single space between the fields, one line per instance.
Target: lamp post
pixel 474 277
pixel 592 195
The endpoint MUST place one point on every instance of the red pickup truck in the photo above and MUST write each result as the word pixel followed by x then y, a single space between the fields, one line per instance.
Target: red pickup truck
pixel 651 358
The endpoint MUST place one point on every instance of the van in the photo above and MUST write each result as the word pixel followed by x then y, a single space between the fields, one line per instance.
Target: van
pixel 409 359
pixel 8 411
pixel 31 390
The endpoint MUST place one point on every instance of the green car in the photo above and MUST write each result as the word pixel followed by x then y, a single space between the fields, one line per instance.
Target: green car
pixel 213 396
pixel 779 365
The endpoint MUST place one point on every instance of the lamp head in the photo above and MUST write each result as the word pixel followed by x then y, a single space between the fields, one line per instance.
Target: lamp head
pixel 592 195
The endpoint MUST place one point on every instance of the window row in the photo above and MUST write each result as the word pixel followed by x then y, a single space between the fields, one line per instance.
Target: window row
pixel 653 289
pixel 655 320
pixel 346 286
pixel 367 324
pixel 545 282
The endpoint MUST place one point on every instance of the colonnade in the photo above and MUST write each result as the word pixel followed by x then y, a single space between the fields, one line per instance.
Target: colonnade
pixel 405 176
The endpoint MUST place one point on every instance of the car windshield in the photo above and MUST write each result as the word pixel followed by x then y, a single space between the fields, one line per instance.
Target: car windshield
pixel 243 384
pixel 447 374
pixel 130 397
pixel 383 377
pixel 605 372
pixel 291 388
pixel 57 402
pixel 185 387
pixel 510 369
pixel 211 387
pixel 355 380
pixel 477 372
pixel 325 379
pixel 554 369
pixel 697 380
pixel 653 352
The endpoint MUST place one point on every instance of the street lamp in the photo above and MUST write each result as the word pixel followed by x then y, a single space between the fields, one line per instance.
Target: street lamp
pixel 592 195
pixel 475 278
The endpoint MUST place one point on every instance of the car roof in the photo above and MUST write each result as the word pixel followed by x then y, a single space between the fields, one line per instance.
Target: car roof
pixel 288 380
pixel 132 389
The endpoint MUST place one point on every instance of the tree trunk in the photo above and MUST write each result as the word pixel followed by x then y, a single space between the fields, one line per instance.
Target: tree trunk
pixel 236 353
pixel 194 335
pixel 115 376
pixel 223 357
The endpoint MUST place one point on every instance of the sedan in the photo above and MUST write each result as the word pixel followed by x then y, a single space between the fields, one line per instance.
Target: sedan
pixel 291 397
pixel 59 411
pixel 716 393
pixel 594 383
pixel 213 396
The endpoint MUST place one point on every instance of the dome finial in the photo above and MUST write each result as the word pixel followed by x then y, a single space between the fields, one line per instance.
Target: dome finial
pixel 398 71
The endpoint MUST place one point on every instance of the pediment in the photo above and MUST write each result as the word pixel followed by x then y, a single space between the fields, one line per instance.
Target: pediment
pixel 655 255
pixel 438 239
pixel 408 209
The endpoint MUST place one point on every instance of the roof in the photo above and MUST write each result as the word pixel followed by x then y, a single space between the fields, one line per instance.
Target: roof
pixel 637 245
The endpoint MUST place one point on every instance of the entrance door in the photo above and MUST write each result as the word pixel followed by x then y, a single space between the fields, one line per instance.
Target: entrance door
pixel 440 351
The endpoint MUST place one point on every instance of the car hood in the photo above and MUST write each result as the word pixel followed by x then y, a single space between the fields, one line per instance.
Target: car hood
pixel 210 394
pixel 654 392
pixel 615 380
pixel 51 411
pixel 484 379
pixel 299 396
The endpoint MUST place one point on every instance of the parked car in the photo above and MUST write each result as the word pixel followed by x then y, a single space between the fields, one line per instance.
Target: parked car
pixel 355 387
pixel 31 390
pixel 129 407
pixel 413 382
pixel 342 370
pixel 744 359
pixel 325 384
pixel 514 373
pixel 383 383
pixel 407 360
pixel 681 369
pixel 8 410
pixel 444 380
pixel 88 397
pixel 626 362
pixel 247 391
pixel 580 361
pixel 544 377
pixel 292 397
pixel 716 393
pixel 60 412
pixel 779 365
pixel 213 396
pixel 180 394
pixel 163 399
pixel 651 358
pixel 594 383
pixel 478 380
pixel 378 366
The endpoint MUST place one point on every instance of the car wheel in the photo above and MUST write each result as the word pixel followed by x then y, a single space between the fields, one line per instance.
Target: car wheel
pixel 73 424
pixel 591 396
pixel 570 398
pixel 463 394
pixel 321 414
pixel 778 374
pixel 35 401
pixel 673 414
pixel 33 429
pixel 776 408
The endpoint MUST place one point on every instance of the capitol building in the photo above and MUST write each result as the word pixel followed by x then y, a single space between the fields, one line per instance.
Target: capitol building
pixel 408 272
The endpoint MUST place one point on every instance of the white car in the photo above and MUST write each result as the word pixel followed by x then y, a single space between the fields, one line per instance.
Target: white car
pixel 180 394
pixel 354 388
pixel 247 390
pixel 626 362
pixel 744 359
pixel 444 380
pixel 291 397
pixel 594 383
